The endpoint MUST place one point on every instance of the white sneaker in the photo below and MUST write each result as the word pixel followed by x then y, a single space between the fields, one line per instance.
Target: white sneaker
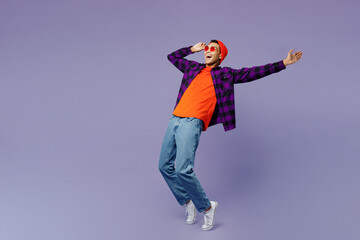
pixel 209 217
pixel 190 212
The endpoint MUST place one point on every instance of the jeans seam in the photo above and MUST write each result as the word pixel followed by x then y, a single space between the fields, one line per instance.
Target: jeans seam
pixel 202 193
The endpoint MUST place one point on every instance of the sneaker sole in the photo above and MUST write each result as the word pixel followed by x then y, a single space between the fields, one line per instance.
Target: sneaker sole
pixel 212 225
pixel 191 222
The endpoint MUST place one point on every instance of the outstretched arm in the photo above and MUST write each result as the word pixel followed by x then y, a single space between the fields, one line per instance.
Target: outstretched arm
pixel 244 75
pixel 250 74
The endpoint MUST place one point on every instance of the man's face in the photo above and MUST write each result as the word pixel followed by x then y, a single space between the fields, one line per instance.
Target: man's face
pixel 212 58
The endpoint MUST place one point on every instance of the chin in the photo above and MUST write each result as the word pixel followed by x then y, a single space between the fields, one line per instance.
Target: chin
pixel 209 62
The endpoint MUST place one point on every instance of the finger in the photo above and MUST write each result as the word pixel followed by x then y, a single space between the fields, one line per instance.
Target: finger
pixel 290 53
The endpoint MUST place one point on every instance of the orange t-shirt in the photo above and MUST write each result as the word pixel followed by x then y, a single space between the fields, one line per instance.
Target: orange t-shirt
pixel 199 99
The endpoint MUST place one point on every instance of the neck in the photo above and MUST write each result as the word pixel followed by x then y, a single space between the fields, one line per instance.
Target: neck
pixel 213 65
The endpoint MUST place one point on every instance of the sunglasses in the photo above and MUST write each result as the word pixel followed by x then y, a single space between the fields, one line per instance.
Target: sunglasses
pixel 212 49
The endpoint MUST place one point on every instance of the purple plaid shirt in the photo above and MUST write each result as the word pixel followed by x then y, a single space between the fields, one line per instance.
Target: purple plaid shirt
pixel 224 80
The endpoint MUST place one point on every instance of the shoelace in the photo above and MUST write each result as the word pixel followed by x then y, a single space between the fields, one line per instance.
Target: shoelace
pixel 206 219
pixel 187 211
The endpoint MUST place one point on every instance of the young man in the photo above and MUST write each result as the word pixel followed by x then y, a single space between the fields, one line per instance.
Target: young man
pixel 206 97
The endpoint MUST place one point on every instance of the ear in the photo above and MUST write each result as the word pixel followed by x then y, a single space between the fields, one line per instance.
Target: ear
pixel 220 56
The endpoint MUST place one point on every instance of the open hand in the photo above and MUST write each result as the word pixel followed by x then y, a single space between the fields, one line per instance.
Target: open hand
pixel 292 57
pixel 198 47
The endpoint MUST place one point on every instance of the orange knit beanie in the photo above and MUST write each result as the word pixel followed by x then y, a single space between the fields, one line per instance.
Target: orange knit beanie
pixel 223 51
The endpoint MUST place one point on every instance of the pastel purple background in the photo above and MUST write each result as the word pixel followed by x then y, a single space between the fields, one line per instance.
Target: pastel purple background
pixel 87 91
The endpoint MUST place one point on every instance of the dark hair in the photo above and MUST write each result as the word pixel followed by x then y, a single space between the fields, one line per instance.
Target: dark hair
pixel 216 41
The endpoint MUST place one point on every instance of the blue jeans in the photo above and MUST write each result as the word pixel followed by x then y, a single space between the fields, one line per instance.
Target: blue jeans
pixel 181 141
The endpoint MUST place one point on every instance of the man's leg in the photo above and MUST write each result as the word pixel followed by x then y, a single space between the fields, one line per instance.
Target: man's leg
pixel 166 162
pixel 187 137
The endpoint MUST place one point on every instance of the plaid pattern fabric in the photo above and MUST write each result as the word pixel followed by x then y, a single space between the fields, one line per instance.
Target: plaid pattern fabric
pixel 224 80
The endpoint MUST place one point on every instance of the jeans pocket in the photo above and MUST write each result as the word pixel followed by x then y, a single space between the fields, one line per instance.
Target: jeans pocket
pixel 194 120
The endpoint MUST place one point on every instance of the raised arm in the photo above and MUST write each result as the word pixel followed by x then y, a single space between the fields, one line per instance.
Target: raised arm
pixel 178 57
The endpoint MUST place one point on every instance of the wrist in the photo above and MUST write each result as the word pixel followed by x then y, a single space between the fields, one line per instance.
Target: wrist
pixel 285 62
